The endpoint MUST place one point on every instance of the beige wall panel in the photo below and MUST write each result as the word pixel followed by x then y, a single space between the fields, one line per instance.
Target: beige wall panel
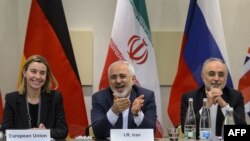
pixel 82 42
pixel 167 49
pixel 167 46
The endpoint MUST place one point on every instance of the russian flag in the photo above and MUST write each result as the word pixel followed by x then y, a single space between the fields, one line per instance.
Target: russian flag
pixel 244 82
pixel 203 38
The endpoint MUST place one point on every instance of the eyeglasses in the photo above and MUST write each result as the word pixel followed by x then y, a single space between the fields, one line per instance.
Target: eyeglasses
pixel 219 74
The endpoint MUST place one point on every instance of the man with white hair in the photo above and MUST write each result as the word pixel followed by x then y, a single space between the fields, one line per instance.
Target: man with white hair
pixel 122 105
pixel 219 97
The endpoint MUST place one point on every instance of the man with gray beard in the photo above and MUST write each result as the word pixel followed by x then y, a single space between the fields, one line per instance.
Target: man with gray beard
pixel 122 105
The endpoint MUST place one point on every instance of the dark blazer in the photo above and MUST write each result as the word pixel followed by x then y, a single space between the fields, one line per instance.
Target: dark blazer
pixel 52 113
pixel 232 97
pixel 102 101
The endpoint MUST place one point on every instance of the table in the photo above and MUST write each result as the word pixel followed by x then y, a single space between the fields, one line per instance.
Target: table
pixel 157 139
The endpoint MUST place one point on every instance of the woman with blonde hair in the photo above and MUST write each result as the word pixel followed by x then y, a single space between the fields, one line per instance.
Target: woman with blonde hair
pixel 36 105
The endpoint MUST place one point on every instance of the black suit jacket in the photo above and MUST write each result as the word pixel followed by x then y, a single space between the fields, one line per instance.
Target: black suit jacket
pixel 52 113
pixel 102 101
pixel 232 97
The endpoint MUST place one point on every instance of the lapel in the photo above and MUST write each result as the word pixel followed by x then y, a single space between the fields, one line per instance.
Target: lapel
pixel 130 116
pixel 22 110
pixel 45 105
pixel 109 99
pixel 198 99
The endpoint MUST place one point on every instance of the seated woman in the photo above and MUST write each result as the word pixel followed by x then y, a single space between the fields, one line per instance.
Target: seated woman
pixel 35 105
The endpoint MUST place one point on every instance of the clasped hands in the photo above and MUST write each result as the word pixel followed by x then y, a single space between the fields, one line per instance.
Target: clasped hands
pixel 41 126
pixel 214 96
pixel 121 104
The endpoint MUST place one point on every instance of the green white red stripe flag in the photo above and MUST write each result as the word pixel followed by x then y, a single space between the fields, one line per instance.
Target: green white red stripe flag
pixel 1 108
pixel 131 41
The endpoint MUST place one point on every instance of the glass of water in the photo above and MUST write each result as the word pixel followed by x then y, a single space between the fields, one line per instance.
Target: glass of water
pixel 173 133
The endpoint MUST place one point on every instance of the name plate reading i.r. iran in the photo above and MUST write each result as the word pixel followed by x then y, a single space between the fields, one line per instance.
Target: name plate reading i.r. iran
pixel 132 135
pixel 28 135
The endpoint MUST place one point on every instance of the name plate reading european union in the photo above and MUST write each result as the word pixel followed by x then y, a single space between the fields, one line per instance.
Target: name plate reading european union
pixel 28 135
pixel 131 135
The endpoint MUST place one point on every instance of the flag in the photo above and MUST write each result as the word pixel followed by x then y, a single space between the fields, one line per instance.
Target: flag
pixel 203 38
pixel 244 82
pixel 131 41
pixel 47 34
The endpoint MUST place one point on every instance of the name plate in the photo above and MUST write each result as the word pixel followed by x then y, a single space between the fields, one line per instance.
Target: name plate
pixel 28 135
pixel 131 135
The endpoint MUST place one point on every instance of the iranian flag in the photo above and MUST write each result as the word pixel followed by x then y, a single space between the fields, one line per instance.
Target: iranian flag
pixel 131 41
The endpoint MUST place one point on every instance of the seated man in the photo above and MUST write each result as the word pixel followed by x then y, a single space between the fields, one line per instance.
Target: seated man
pixel 122 105
pixel 219 97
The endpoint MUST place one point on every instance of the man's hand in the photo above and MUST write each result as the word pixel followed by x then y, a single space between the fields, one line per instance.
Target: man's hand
pixel 221 102
pixel 120 104
pixel 137 105
pixel 214 96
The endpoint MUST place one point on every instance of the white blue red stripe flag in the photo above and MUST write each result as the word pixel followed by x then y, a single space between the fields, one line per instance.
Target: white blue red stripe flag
pixel 244 82
pixel 203 38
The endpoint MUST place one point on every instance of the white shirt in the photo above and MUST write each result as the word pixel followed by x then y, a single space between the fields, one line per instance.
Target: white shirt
pixel 213 115
pixel 112 118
